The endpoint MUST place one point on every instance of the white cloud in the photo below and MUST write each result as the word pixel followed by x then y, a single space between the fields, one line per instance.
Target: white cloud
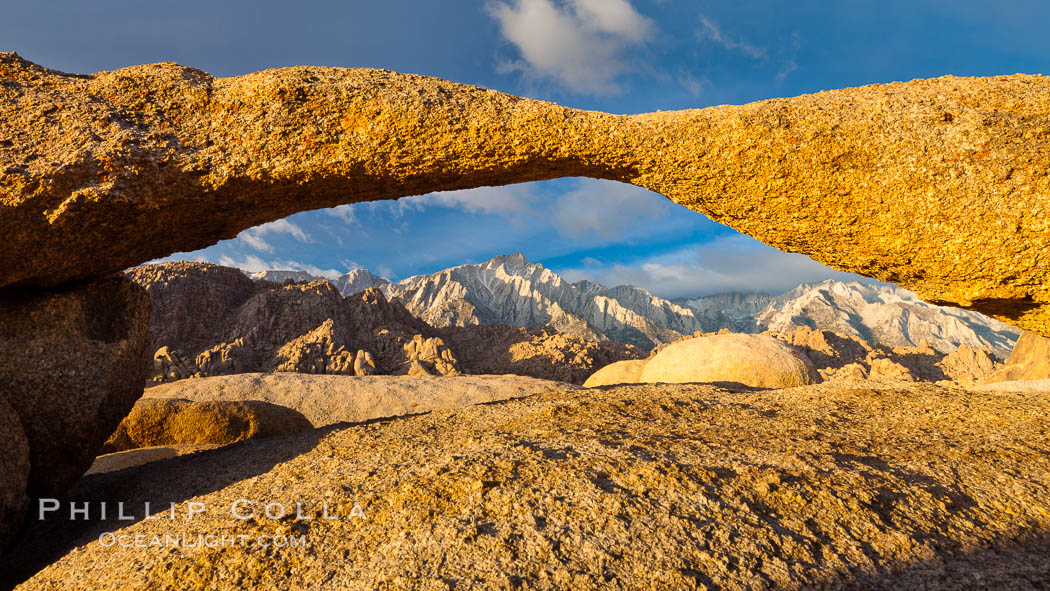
pixel 512 200
pixel 593 208
pixel 606 208
pixel 786 69
pixel 712 32
pixel 343 212
pixel 396 208
pixel 578 43
pixel 733 263
pixel 386 273
pixel 617 17
pixel 692 84
pixel 253 237
pixel 283 227
pixel 790 64
pixel 254 241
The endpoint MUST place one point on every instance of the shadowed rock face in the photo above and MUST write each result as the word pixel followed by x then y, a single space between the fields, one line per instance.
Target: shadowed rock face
pixel 940 186
pixel 72 363
pixel 14 472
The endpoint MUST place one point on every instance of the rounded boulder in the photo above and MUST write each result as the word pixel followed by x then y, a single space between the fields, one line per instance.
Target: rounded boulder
pixel 621 372
pixel 741 359
pixel 177 421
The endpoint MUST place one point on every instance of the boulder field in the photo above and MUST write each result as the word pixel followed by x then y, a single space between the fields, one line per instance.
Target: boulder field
pixel 210 320
pixel 806 356
pixel 940 186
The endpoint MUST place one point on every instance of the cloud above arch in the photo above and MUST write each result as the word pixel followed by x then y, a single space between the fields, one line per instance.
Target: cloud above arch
pixel 582 45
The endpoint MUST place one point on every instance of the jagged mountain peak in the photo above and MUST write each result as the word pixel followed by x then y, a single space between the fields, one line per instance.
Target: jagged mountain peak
pixel 885 314
pixel 355 273
pixel 282 275
pixel 513 260
pixel 589 287
pixel 510 289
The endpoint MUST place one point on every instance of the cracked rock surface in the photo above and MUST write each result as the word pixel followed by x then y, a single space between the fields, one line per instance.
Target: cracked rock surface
pixel 646 486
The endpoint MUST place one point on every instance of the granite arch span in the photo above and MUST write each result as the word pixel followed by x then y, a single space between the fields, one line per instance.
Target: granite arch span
pixel 941 186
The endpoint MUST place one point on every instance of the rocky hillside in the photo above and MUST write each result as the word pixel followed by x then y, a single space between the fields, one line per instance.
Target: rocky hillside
pixel 210 320
pixel 348 284
pixel 510 290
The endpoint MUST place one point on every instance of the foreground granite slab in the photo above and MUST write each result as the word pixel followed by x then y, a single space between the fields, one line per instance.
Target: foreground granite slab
pixel 941 186
pixel 645 486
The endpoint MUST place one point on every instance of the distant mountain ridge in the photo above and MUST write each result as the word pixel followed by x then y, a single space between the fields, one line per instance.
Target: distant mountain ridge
pixel 509 289
pixel 877 313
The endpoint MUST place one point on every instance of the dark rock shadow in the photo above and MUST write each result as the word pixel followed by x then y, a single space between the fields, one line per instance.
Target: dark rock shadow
pixel 1022 563
pixel 730 386
pixel 1012 308
pixel 39 543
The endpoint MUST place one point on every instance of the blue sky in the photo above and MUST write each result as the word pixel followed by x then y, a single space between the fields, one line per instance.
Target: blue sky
pixel 621 56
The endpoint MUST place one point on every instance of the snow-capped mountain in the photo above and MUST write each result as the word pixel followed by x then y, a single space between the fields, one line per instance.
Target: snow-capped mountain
pixel 885 314
pixel 350 283
pixel 735 311
pixel 510 290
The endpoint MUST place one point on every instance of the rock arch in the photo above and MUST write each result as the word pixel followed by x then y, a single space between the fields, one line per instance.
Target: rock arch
pixel 941 186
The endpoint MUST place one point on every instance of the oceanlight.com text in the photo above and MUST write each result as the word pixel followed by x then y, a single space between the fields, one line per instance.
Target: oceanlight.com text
pixel 187 540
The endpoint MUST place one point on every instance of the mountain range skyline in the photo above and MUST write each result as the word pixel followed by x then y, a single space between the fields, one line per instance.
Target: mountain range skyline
pixel 509 289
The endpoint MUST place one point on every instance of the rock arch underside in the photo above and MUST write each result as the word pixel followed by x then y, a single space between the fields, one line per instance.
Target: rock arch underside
pixel 941 186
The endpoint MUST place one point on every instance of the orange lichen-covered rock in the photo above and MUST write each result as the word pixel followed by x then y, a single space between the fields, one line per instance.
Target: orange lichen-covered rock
pixel 940 186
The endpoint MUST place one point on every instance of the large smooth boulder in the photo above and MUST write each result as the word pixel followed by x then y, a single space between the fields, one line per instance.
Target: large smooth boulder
pixel 109 170
pixel 72 363
pixel 621 372
pixel 758 361
pixel 165 422
pixel 14 472
pixel 328 399
pixel 1030 360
